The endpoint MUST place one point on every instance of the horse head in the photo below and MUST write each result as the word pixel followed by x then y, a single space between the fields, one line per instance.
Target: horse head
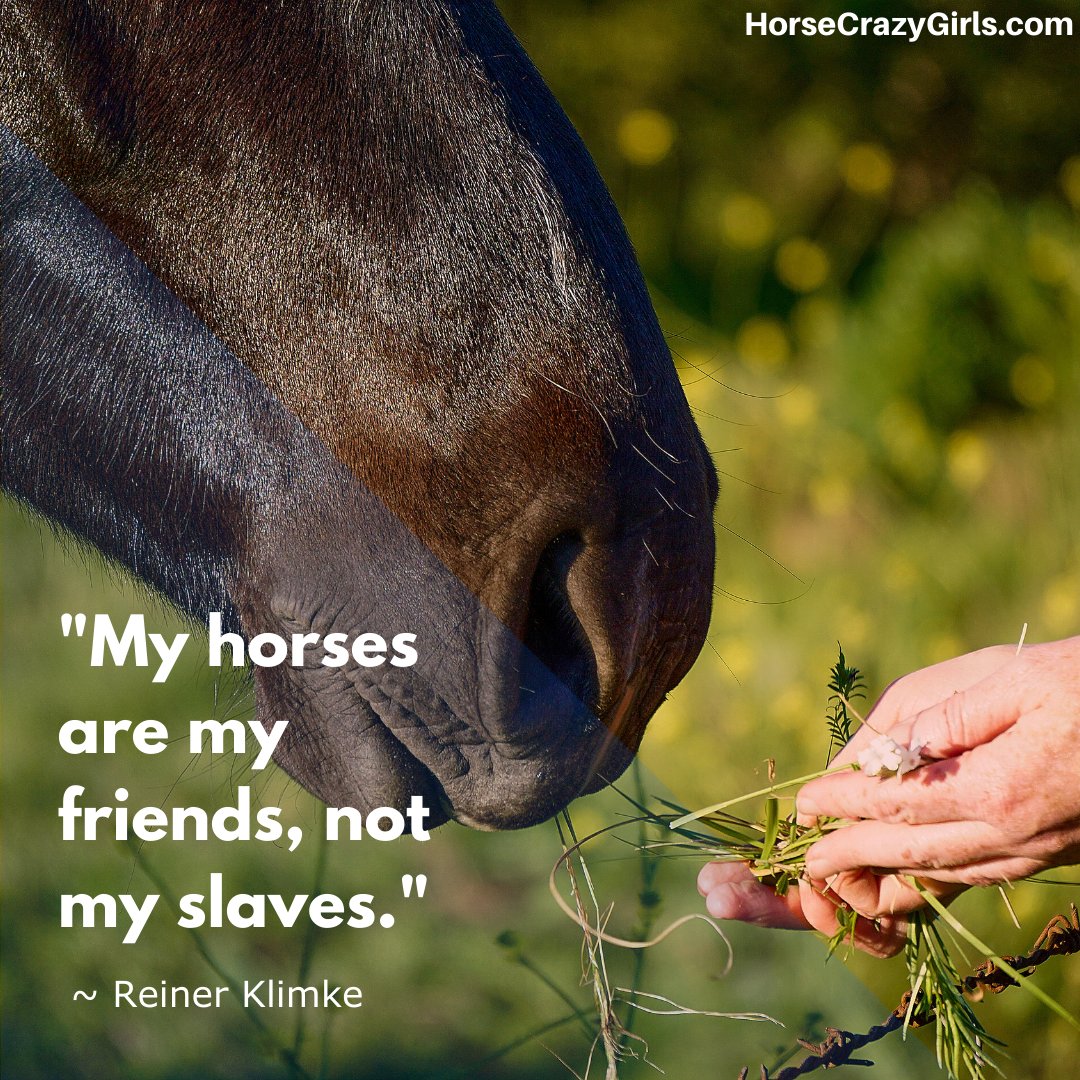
pixel 395 368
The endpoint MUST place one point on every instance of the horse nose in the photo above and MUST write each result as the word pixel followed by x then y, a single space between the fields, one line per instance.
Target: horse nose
pixel 618 614
pixel 588 602
pixel 555 630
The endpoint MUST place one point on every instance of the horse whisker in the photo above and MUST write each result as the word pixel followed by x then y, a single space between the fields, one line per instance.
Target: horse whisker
pixel 652 463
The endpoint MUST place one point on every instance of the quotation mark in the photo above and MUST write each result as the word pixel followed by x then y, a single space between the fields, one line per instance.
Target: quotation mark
pixel 386 920
pixel 80 626
pixel 85 995
pixel 407 884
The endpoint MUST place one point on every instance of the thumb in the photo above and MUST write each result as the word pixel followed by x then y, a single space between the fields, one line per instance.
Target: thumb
pixel 965 719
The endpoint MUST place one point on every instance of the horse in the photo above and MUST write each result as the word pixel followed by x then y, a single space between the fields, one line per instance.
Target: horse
pixel 320 316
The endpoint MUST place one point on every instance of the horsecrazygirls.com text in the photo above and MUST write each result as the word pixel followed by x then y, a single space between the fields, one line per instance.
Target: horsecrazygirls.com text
pixel 936 24
pixel 237 822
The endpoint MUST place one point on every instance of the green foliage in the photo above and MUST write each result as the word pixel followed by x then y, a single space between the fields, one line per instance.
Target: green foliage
pixel 846 685
pixel 961 1041
pixel 846 920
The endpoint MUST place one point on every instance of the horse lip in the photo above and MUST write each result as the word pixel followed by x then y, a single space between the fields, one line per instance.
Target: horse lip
pixel 439 808
pixel 553 749
pixel 401 737
pixel 533 811
pixel 442 811
pixel 533 788
pixel 515 790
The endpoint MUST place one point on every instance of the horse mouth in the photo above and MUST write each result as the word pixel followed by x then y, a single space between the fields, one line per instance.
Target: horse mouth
pixel 503 718
pixel 563 751
pixel 370 739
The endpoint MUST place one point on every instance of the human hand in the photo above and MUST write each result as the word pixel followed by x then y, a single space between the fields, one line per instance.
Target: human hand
pixel 1003 803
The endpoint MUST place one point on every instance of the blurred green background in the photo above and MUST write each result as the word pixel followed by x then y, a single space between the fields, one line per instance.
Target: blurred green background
pixel 865 255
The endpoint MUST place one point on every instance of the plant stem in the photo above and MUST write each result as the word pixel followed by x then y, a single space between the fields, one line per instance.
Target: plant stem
pixel 971 939
pixel 648 868
pixel 770 790
pixel 284 1053
pixel 307 949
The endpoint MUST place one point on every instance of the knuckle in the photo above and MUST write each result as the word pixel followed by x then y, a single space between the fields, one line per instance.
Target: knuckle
pixel 880 802
pixel 955 723
pixel 900 812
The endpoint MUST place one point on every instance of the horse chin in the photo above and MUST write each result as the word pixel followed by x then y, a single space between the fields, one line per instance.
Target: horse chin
pixel 360 742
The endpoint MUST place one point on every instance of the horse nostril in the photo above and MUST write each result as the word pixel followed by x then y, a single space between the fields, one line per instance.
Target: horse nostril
pixel 553 631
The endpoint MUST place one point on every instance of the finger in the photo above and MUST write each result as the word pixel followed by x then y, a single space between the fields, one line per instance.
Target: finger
pixel 914 693
pixel 992 872
pixel 858 742
pixel 908 697
pixel 967 718
pixel 873 895
pixel 877 896
pixel 819 907
pixel 862 891
pixel 937 792
pixel 756 904
pixel 732 892
pixel 715 874
pixel 885 847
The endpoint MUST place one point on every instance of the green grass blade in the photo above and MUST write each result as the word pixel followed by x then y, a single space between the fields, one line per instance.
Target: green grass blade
pixel 772 828
pixel 772 789
pixel 1021 981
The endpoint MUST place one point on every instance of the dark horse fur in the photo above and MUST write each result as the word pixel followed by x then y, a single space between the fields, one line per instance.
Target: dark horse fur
pixel 319 314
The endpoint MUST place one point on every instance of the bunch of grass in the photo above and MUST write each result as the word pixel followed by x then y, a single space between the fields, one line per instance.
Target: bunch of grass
pixel 774 846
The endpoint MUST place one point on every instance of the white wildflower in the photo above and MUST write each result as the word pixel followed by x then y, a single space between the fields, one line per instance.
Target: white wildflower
pixel 911 757
pixel 886 757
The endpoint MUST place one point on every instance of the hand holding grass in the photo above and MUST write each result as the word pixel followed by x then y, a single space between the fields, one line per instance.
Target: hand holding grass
pixel 1002 803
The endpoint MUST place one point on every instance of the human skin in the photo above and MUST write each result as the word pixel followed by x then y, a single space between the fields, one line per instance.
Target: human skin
pixel 1000 801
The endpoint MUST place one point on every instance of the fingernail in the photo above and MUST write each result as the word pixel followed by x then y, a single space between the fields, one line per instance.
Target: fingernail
pixel 805 805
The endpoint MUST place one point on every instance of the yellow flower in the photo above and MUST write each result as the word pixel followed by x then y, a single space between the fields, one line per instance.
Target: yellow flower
pixel 867 169
pixel 645 136
pixel 802 265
